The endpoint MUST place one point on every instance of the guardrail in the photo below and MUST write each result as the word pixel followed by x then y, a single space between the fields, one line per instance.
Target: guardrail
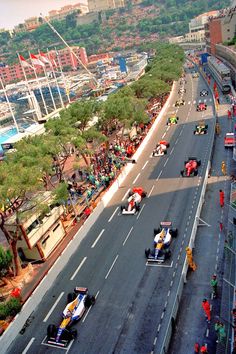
pixel 165 344
pixel 31 304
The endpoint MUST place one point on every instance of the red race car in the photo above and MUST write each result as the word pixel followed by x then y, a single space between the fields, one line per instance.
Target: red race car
pixel 190 167
pixel 201 107
pixel 134 199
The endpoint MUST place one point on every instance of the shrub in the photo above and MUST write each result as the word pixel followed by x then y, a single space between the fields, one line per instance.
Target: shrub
pixel 9 308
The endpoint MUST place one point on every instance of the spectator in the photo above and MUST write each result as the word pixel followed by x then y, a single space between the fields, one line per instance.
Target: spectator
pixel 214 284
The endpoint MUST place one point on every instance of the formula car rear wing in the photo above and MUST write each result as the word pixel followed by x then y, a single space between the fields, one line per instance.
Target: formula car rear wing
pixel 166 223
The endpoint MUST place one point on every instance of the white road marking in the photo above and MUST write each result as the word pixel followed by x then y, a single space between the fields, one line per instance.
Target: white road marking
pixel 97 239
pixel 166 304
pixel 28 345
pixel 109 271
pixel 210 99
pixel 155 340
pixel 172 151
pixel 151 191
pixel 181 131
pixel 171 283
pixel 145 165
pixel 158 329
pixel 136 178
pixel 189 102
pixel 168 127
pixel 140 211
pixel 162 315
pixel 87 312
pixel 168 293
pixel 159 265
pixel 163 135
pixel 166 162
pixel 73 276
pixel 176 142
pixel 126 194
pixel 53 307
pixel 194 102
pixel 159 176
pixel 207 332
pixel 128 235
pixel 113 214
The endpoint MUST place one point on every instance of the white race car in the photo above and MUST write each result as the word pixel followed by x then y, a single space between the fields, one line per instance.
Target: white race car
pixel 134 200
pixel 77 303
pixel 161 148
pixel 162 240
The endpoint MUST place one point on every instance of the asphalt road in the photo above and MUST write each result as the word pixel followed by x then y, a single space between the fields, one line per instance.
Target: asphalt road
pixel 132 298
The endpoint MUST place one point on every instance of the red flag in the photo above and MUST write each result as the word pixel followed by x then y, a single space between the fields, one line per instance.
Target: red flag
pixel 36 61
pixel 44 58
pixel 23 62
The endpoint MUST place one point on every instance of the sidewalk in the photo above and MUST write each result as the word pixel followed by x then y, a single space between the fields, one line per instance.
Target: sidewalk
pixel 191 326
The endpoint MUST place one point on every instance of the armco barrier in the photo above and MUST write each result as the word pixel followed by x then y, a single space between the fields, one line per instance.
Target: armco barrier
pixel 35 298
pixel 165 344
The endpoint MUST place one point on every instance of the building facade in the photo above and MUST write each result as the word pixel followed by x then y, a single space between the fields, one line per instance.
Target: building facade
pixel 39 234
pixel 64 58
pixel 67 10
pixel 103 5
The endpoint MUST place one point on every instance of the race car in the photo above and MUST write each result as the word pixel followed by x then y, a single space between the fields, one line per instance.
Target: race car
pixel 162 240
pixel 229 140
pixel 204 93
pixel 181 90
pixel 172 120
pixel 77 303
pixel 161 148
pixel 134 200
pixel 195 75
pixel 179 103
pixel 201 128
pixel 201 107
pixel 190 167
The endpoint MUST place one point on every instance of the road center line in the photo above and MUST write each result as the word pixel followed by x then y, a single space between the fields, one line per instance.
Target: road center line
pixel 159 176
pixel 53 307
pixel 145 165
pixel 97 239
pixel 166 162
pixel 111 267
pixel 73 276
pixel 136 178
pixel 172 151
pixel 140 211
pixel 28 345
pixel 128 235
pixel 151 191
pixel 163 135
pixel 113 214
pixel 126 193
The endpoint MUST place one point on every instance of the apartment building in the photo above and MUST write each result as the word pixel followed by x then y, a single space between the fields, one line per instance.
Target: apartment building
pixel 103 5
pixel 64 58
pixel 67 10
pixel 220 29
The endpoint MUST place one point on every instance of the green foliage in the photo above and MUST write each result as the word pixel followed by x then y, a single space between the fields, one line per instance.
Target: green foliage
pixel 5 261
pixel 9 308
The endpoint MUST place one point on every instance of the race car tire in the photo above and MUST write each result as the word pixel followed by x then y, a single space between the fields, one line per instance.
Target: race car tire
pixel 89 301
pixel 52 331
pixel 156 231
pixel 167 254
pixel 199 162
pixel 137 207
pixel 165 152
pixel 168 145
pixel 182 173
pixel 122 208
pixel 194 132
pixel 147 252
pixel 130 194
pixel 195 173
pixel 144 194
pixel 174 232
pixel 73 333
pixel 71 297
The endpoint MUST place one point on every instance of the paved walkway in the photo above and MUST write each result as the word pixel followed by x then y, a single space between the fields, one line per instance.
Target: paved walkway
pixel 191 325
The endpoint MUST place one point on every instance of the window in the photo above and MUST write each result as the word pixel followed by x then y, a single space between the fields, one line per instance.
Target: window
pixel 55 228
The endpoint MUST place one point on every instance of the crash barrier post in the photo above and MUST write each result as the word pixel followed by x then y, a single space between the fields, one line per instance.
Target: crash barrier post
pixel 173 315
pixel 45 284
